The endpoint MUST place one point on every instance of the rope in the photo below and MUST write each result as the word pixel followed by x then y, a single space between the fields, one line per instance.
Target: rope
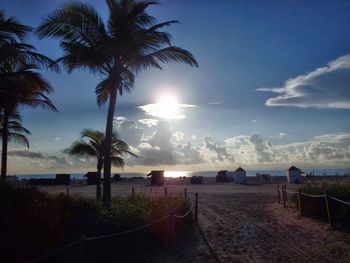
pixel 341 201
pixel 99 237
pixel 313 195
pixel 53 252
pixel 186 214
pixel 128 231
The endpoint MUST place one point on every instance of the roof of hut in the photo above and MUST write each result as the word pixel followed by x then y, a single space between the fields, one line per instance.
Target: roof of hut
pixel 90 174
pixel 239 169
pixel 293 168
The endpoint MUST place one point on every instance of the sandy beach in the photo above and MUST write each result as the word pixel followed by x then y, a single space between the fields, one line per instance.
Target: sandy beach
pixel 242 223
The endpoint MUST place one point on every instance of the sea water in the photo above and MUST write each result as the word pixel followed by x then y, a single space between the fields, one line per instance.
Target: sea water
pixel 80 176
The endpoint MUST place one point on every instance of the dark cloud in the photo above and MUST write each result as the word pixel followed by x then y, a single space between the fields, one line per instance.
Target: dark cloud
pixel 25 153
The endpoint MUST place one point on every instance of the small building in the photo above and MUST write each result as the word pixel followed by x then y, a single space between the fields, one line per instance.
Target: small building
pixel 293 175
pixel 92 178
pixel 62 179
pixel 225 176
pixel 240 176
pixel 12 179
pixel 157 177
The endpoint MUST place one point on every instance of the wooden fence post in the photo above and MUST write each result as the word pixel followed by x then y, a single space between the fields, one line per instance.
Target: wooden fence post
pixel 299 202
pixel 283 196
pixel 328 209
pixel 185 193
pixel 196 208
pixel 278 194
pixel 165 191
pixel 82 249
pixel 132 191
pixel 172 225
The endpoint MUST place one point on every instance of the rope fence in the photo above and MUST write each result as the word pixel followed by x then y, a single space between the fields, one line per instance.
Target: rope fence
pixel 282 192
pixel 194 206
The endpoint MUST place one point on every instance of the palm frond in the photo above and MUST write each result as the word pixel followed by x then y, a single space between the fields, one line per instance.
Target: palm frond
pixel 18 138
pixel 175 54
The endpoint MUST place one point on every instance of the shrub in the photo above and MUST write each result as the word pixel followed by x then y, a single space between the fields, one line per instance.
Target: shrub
pixel 316 207
pixel 35 222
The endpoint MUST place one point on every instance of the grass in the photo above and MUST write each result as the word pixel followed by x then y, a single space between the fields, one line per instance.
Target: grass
pixel 35 223
pixel 316 207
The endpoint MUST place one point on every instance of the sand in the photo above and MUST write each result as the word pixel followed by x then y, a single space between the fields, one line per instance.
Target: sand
pixel 244 223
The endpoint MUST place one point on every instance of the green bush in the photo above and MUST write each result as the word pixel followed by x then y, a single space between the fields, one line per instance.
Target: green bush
pixel 35 222
pixel 316 207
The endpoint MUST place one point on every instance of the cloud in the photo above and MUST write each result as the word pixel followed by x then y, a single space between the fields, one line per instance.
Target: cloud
pixel 214 103
pixel 57 139
pixel 179 136
pixel 170 111
pixel 149 122
pixel 128 131
pixel 323 150
pixel 40 160
pixel 25 153
pixel 325 87
pixel 212 152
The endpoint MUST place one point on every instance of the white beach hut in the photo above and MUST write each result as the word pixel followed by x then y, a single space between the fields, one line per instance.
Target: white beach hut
pixel 293 175
pixel 240 176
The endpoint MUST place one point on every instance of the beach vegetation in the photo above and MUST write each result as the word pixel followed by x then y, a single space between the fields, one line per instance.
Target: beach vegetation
pixel 315 207
pixel 36 223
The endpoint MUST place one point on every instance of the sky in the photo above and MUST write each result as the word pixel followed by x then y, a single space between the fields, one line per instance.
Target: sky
pixel 272 89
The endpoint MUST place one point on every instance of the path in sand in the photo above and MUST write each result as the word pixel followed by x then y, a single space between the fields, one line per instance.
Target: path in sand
pixel 253 228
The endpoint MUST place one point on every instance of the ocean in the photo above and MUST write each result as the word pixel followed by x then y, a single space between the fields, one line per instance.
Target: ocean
pixel 80 176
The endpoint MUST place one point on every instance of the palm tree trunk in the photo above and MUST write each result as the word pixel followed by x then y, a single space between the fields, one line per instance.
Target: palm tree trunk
pixel 106 198
pixel 98 185
pixel 4 147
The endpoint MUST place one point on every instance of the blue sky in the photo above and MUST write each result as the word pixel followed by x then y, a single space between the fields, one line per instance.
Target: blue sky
pixel 272 89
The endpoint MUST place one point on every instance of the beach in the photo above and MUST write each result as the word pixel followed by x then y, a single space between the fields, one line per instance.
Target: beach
pixel 241 223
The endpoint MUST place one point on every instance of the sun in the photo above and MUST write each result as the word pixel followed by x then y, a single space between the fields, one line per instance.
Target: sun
pixel 168 107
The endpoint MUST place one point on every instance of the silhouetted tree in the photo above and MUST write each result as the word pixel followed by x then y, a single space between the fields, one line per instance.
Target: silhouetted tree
pixel 20 83
pixel 15 131
pixel 129 41
pixel 91 144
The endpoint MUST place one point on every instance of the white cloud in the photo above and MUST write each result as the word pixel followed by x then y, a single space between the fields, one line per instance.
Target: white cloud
pixel 57 139
pixel 168 111
pixel 214 103
pixel 179 136
pixel 254 120
pixel 323 150
pixel 325 87
pixel 128 131
pixel 149 122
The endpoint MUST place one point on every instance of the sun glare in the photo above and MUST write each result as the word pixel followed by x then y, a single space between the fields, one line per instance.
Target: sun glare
pixel 167 107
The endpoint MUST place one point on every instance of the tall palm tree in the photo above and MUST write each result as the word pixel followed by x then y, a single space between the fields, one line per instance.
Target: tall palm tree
pixel 129 41
pixel 91 144
pixel 15 131
pixel 20 85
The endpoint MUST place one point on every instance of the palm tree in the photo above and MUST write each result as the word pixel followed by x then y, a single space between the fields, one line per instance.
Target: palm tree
pixel 129 41
pixel 12 47
pixel 15 131
pixel 91 144
pixel 20 85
